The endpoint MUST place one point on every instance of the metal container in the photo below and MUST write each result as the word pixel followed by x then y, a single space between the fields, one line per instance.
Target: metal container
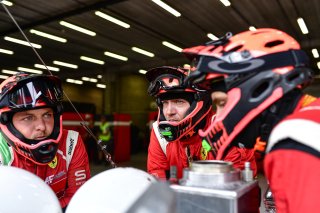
pixel 214 186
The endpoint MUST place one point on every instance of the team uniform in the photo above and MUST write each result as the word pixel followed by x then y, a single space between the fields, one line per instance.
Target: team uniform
pixel 163 154
pixel 64 174
pixel 293 142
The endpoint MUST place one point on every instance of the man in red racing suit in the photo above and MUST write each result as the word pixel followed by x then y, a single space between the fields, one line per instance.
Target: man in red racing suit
pixel 293 159
pixel 32 137
pixel 165 153
pixel 265 72
pixel 175 154
pixel 64 174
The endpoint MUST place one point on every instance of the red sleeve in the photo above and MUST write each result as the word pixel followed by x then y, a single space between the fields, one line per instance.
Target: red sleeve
pixel 78 172
pixel 157 161
pixel 294 180
pixel 238 156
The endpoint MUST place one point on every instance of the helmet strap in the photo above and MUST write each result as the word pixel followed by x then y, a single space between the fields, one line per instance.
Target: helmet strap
pixel 276 112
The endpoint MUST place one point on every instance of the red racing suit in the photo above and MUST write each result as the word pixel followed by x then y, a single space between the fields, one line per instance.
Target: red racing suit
pixel 293 160
pixel 162 154
pixel 64 174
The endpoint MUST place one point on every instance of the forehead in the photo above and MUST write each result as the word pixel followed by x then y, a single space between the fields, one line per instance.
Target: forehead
pixel 175 99
pixel 34 111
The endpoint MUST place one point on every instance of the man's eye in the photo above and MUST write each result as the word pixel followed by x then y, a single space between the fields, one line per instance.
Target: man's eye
pixel 180 101
pixel 48 115
pixel 27 118
pixel 164 102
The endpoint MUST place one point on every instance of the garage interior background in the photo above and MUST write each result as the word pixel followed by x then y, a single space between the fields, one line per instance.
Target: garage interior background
pixel 102 61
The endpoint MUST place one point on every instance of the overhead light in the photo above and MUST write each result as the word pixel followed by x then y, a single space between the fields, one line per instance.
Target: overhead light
pixel 30 70
pixel 113 55
pixel 77 28
pixel 212 37
pixel 99 76
pixel 103 86
pixel 143 71
pixel 225 3
pixel 7 3
pixel 40 66
pixel 9 52
pixel 113 20
pixel 172 46
pixel 318 64
pixel 252 28
pixel 73 81
pixel 65 64
pixel 92 60
pixel 315 53
pixel 89 79
pixel 4 76
pixel 167 8
pixel 10 72
pixel 46 35
pixel 303 26
pixel 141 51
pixel 18 41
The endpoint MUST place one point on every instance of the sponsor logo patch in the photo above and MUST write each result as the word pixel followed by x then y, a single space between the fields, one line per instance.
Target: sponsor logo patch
pixel 53 164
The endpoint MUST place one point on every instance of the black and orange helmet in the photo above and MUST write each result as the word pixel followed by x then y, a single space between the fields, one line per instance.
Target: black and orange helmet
pixel 260 67
pixel 26 92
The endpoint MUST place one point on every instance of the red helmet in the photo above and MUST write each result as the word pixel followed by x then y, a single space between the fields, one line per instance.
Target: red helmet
pixel 263 70
pixel 206 81
pixel 170 82
pixel 26 92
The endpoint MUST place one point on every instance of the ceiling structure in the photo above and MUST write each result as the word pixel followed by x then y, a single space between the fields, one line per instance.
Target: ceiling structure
pixel 150 26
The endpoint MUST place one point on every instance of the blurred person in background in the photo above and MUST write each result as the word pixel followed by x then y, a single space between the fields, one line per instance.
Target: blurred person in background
pixel 105 135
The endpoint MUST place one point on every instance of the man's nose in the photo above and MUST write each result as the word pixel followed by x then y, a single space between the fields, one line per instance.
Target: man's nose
pixel 40 124
pixel 171 108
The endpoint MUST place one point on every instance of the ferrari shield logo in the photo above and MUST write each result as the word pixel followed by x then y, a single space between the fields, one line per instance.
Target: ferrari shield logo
pixel 53 163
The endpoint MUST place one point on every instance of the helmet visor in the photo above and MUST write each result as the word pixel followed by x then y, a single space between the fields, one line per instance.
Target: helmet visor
pixel 29 94
pixel 166 82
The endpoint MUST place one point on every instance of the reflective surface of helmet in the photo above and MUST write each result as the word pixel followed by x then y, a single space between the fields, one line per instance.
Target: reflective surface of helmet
pixel 122 190
pixel 22 191
pixel 26 92
pixel 169 83
pixel 263 70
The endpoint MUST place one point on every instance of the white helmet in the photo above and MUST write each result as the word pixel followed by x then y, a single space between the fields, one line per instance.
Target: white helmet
pixel 122 190
pixel 22 191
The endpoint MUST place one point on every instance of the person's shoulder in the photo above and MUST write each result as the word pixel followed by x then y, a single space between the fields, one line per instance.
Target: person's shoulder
pixel 310 112
pixel 291 126
pixel 6 153
pixel 67 133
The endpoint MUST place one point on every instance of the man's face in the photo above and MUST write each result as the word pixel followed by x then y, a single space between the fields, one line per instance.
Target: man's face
pixel 34 124
pixel 219 99
pixel 174 110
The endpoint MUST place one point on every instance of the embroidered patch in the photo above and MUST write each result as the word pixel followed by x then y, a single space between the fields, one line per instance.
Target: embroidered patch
pixel 204 153
pixel 204 150
pixel 53 164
